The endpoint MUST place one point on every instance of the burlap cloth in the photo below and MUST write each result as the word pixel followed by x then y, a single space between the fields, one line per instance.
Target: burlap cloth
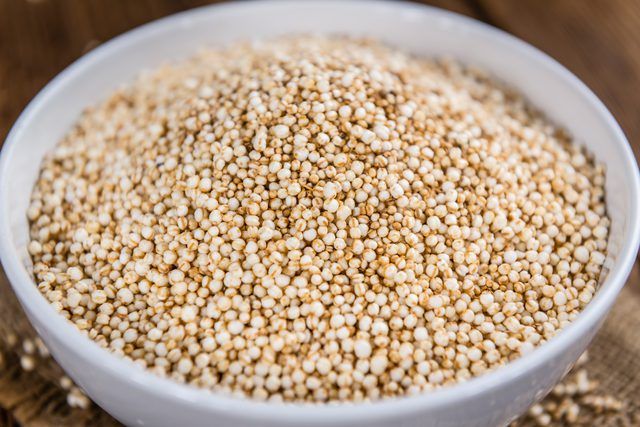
pixel 37 398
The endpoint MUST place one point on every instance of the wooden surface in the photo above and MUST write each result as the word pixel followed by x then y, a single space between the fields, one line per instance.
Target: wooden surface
pixel 599 40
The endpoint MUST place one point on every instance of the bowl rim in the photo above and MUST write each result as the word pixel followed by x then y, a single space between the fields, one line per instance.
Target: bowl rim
pixel 215 402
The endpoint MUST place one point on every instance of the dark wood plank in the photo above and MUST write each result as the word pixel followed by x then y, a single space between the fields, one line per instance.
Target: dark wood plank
pixel 39 38
pixel 599 40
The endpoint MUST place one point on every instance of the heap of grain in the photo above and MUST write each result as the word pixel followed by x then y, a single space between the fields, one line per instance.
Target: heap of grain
pixel 317 219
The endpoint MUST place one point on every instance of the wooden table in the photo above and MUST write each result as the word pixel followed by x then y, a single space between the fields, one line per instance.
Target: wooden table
pixel 599 40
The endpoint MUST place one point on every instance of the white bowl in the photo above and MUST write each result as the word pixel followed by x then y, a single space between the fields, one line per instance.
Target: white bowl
pixel 137 397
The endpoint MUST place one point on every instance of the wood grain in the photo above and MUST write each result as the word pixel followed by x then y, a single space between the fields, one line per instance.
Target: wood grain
pixel 598 40
pixel 39 38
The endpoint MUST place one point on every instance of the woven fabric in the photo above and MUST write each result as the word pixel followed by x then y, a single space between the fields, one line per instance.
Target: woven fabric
pixel 35 398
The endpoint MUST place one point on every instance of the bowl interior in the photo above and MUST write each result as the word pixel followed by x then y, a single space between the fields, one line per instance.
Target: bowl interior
pixel 416 29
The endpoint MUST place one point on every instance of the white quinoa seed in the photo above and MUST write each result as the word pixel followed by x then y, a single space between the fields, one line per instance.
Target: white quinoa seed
pixel 312 219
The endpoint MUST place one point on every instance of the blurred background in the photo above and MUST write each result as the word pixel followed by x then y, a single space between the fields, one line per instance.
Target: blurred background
pixel 598 40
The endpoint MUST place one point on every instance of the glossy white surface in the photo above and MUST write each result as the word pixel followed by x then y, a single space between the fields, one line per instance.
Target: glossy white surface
pixel 138 398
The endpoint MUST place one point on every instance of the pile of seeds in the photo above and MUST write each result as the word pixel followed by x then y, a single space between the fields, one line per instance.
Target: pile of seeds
pixel 317 219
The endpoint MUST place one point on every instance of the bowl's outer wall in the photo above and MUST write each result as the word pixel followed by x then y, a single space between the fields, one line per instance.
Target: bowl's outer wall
pixel 416 29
